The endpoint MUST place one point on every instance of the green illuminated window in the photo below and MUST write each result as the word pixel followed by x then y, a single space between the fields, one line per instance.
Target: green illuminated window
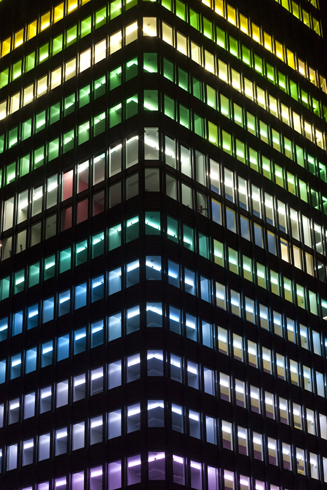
pixel 115 115
pixel 2 147
pixel 246 55
pixel 68 141
pixel 233 46
pixel 99 87
pixel 253 159
pixel 322 172
pixel 40 121
pixel 10 173
pixel 57 44
pixel 197 88
pixel 12 137
pixel 30 62
pixel 69 104
pixel 131 106
pixel 131 69
pixel 258 66
pixel 4 78
pixel 71 36
pixel 115 78
pixel 288 289
pixel 54 113
pixel 224 106
pixel 240 151
pixel 288 148
pixel 311 164
pixel 100 17
pixel 226 142
pixel 207 28
pixel 315 199
pixel 247 268
pixel 211 97
pixel 303 191
pixel 198 125
pixel 184 116
pixel 183 79
pixel 131 3
pixel 282 81
pixel 316 107
pixel 84 96
pixel 266 168
pixel 150 63
pixel 86 26
pixel 169 107
pixel 17 70
pixel 24 165
pixel 279 177
pixel 261 275
pixel 220 37
pixel 305 99
pixel 168 70
pixel 270 72
pixel 151 102
pixel 83 132
pixel 38 157
pixel 194 19
pixel 43 52
pixel 293 90
pixel 275 136
pixel 238 114
pixel 115 9
pixel 299 156
pixel 263 128
pixel 233 260
pixel 180 10
pixel 99 124
pixel 26 129
pixel 53 149
pixel 251 123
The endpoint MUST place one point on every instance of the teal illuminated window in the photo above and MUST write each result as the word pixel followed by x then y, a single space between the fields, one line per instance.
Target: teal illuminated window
pixel 114 237
pixel 43 52
pixel 152 223
pixel 71 36
pixel 29 62
pixel 131 69
pixel 115 115
pixel 99 87
pixel 49 267
pixel 97 245
pixel 54 113
pixel 194 19
pixel 151 102
pixel 207 28
pixel 132 229
pixel 115 9
pixel 86 26
pixel 17 70
pixel 65 260
pixel 34 275
pixel 150 63
pixel 19 281
pixel 57 44
pixel 81 253
pixel 115 78
pixel 84 96
pixel 100 17
pixel 4 78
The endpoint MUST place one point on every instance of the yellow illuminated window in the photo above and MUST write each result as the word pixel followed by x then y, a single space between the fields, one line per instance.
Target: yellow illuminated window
pixel 279 50
pixel 316 26
pixel 72 5
pixel 308 130
pixel 219 7
pixel 323 84
pixel 207 3
pixel 58 12
pixel 261 99
pixel 244 24
pixel 19 38
pixel 301 67
pixel 267 41
pixel 295 10
pixel 273 105
pixel 248 88
pixel 85 1
pixel 5 47
pixel 231 15
pixel 31 30
pixel 290 59
pixel 312 76
pixel 255 33
pixel 285 114
pixel 45 21
pixel 306 18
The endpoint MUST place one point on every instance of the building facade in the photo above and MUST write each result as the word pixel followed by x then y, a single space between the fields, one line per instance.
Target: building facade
pixel 163 245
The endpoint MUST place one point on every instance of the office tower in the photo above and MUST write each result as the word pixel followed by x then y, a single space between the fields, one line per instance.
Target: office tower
pixel 163 297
